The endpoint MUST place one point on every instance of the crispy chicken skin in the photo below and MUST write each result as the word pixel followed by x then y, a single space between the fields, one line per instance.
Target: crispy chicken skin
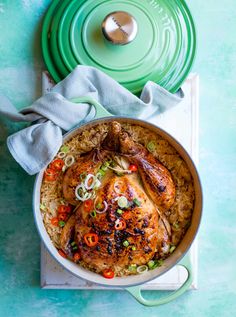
pixel 146 229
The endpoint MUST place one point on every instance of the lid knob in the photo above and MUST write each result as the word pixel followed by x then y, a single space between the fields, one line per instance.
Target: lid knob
pixel 119 27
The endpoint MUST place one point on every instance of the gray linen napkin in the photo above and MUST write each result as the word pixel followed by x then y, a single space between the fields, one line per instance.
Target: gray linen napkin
pixel 35 146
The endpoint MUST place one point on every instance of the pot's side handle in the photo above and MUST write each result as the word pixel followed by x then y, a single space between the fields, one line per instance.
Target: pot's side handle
pixel 100 110
pixel 136 290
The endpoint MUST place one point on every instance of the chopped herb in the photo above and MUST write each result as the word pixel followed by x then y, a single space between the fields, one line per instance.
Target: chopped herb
pixel 102 172
pixel 61 224
pixel 133 248
pixel 119 211
pixel 106 164
pixel 43 207
pixel 75 248
pixel 160 262
pixel 64 148
pixel 126 243
pixel 122 202
pixel 99 206
pixel 73 243
pixel 176 225
pixel 112 164
pixel 132 267
pixel 103 168
pixel 151 146
pixel 93 214
pixel 137 202
pixel 151 264
pixel 83 176
pixel 172 248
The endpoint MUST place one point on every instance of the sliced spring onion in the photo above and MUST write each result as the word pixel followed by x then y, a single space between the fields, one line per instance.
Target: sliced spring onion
pixel 151 146
pixel 176 225
pixel 43 207
pixel 142 269
pixel 137 202
pixel 151 264
pixel 126 243
pixel 64 148
pixel 100 171
pixel 172 248
pixel 81 193
pixel 75 248
pixel 73 243
pixel 93 214
pixel 89 181
pixel 122 202
pixel 103 210
pixel 61 155
pixel 97 184
pixel 133 248
pixel 119 211
pixel 69 160
pixel 132 268
pixel 61 223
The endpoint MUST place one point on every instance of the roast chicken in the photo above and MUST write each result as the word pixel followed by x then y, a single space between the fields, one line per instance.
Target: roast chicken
pixel 132 233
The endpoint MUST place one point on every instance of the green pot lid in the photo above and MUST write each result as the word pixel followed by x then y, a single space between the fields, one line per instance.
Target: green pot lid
pixel 133 41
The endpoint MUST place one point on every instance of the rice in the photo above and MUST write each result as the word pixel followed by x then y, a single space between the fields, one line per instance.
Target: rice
pixel 179 215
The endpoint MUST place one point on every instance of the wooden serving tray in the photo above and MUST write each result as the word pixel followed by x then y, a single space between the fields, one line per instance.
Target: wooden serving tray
pixel 182 123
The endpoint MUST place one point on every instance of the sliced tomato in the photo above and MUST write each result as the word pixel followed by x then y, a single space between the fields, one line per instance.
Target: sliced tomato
pixel 57 165
pixel 88 205
pixel 91 239
pixel 62 253
pixel 120 224
pixel 76 257
pixel 50 175
pixel 54 221
pixel 127 215
pixel 108 273
pixel 64 209
pixel 62 217
pixel 133 168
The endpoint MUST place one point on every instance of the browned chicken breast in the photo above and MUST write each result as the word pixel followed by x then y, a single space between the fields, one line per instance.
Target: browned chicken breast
pixel 122 221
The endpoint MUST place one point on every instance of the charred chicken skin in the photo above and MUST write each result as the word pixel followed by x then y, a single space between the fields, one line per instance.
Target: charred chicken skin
pixel 125 221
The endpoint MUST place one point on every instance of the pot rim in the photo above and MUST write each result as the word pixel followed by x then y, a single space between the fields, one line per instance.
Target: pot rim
pixel 121 282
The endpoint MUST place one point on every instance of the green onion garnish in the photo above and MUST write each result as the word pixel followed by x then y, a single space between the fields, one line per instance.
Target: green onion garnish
pixel 137 202
pixel 176 225
pixel 43 207
pixel 102 172
pixel 61 223
pixel 172 248
pixel 160 262
pixel 73 243
pixel 83 176
pixel 122 202
pixel 64 148
pixel 151 264
pixel 126 243
pixel 151 146
pixel 75 248
pixel 132 267
pixel 93 214
pixel 133 248
pixel 119 211
pixel 106 164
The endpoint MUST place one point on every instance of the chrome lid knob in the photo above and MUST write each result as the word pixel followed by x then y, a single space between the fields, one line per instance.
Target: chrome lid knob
pixel 119 27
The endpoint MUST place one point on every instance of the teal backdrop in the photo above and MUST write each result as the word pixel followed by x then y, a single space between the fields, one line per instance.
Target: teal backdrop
pixel 20 79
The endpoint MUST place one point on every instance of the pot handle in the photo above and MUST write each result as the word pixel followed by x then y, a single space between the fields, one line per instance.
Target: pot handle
pixel 136 290
pixel 99 109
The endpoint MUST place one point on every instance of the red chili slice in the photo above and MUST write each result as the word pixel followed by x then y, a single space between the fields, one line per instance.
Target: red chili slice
pixel 57 165
pixel 54 221
pixel 63 209
pixel 120 224
pixel 88 205
pixel 133 168
pixel 108 273
pixel 127 215
pixel 91 239
pixel 63 217
pixel 50 175
pixel 62 253
pixel 76 257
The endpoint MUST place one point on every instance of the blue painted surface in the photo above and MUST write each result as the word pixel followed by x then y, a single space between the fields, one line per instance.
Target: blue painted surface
pixel 20 72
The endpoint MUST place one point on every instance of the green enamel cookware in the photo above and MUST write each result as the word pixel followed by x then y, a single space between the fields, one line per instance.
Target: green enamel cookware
pixel 133 284
pixel 133 41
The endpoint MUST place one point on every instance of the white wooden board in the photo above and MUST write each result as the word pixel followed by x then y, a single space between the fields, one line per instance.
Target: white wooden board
pixel 182 123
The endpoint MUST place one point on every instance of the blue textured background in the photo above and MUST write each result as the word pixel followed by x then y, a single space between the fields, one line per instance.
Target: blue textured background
pixel 20 73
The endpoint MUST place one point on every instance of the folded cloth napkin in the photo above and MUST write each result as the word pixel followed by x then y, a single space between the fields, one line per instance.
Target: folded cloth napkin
pixel 35 146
